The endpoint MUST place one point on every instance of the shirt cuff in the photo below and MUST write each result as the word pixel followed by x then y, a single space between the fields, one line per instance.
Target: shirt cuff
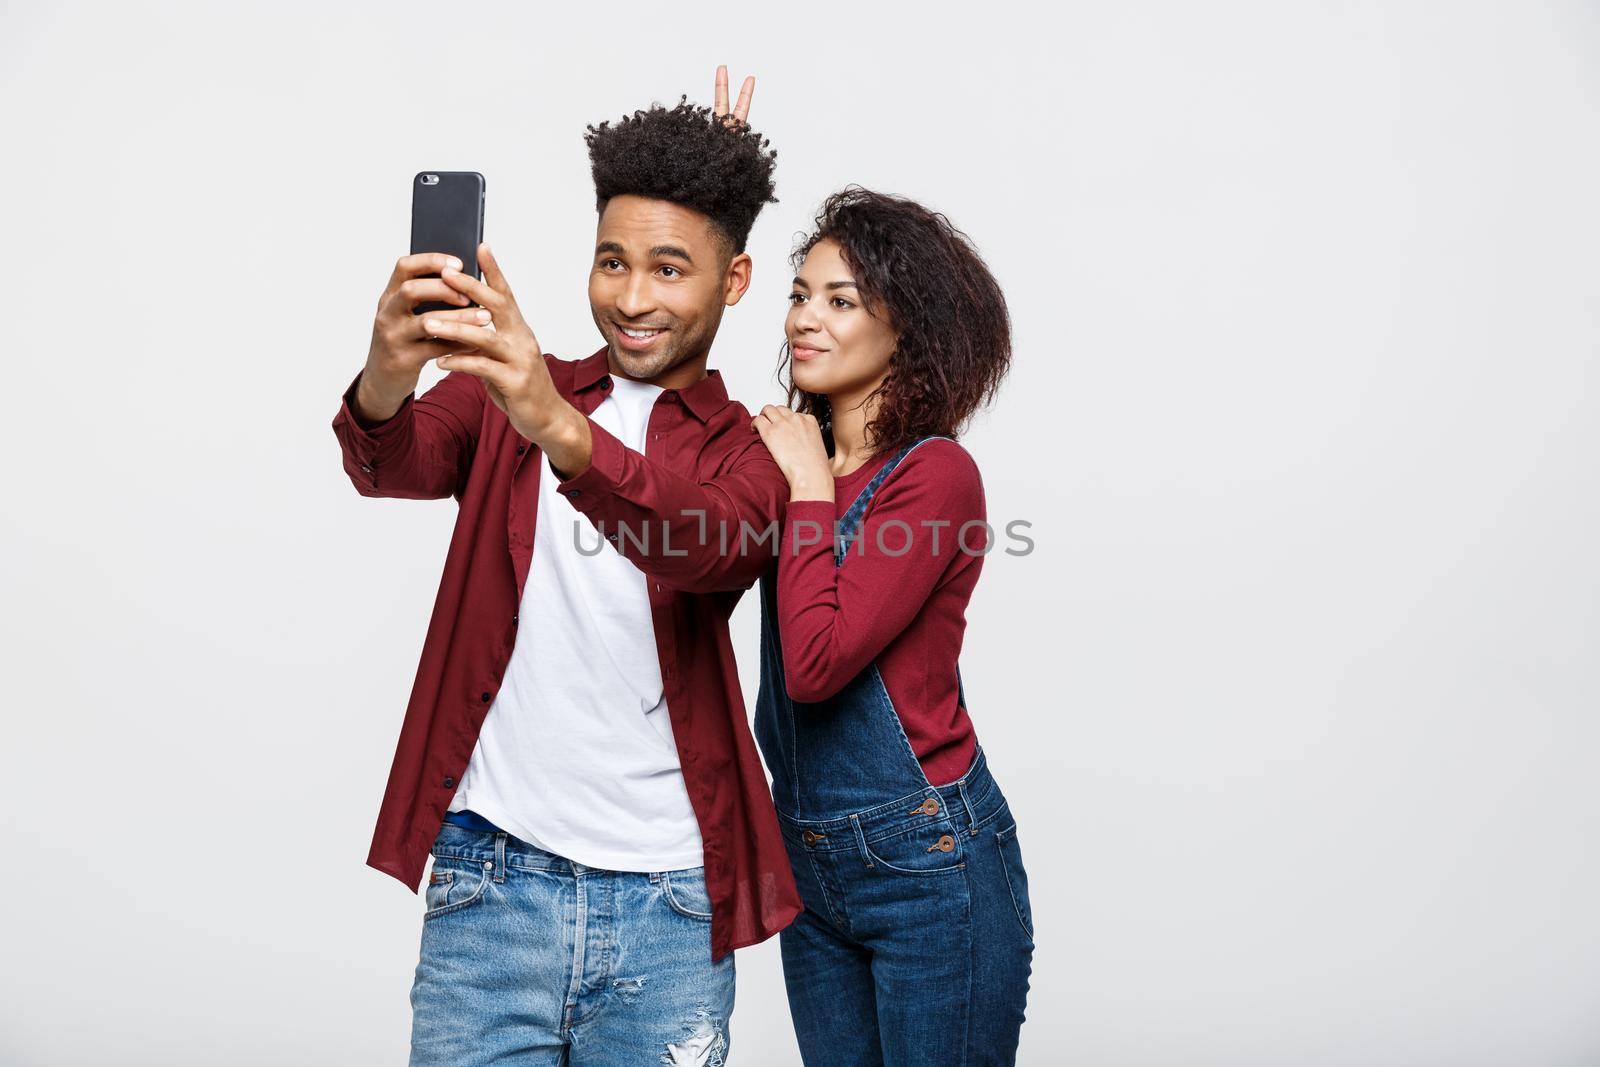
pixel 602 475
pixel 361 431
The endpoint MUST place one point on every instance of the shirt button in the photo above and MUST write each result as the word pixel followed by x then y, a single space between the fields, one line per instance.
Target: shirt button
pixel 605 383
pixel 514 620
pixel 572 492
pixel 486 698
pixel 670 397
pixel 448 782
pixel 521 449
pixel 366 469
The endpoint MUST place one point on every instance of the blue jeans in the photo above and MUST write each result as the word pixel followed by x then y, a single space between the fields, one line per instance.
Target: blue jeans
pixel 916 945
pixel 530 958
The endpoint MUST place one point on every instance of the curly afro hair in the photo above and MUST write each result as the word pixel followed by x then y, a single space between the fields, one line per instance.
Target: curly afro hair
pixel 721 169
pixel 920 274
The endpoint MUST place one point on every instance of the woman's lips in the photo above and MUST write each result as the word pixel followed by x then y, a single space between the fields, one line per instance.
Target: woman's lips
pixel 805 352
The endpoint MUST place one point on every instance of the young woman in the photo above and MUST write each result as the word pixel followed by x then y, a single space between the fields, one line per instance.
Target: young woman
pixel 916 942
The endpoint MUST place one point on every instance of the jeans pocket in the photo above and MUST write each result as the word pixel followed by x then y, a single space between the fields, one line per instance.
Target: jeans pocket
pixel 686 893
pixel 453 885
pixel 1016 876
pixel 934 848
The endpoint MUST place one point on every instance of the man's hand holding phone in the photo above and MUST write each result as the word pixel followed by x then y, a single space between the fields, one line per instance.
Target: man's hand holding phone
pixel 400 346
pixel 501 349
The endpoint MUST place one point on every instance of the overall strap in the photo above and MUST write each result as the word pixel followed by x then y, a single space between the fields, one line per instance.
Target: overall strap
pixel 850 524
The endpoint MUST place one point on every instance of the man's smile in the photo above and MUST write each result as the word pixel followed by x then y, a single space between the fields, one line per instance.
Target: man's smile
pixel 638 339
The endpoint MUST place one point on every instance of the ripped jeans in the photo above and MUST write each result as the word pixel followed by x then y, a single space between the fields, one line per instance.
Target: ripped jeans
pixel 530 958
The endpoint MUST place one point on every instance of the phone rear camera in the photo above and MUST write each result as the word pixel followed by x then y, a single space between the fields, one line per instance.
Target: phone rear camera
pixel 430 179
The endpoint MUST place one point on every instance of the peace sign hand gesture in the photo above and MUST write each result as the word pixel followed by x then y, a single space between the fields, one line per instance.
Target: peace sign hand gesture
pixel 741 110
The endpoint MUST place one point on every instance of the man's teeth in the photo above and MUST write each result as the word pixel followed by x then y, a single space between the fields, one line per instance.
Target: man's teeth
pixel 641 334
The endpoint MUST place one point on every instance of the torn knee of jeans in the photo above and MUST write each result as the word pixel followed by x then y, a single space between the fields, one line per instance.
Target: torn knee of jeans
pixel 703 1046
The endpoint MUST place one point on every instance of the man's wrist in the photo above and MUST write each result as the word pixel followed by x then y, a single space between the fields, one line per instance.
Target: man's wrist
pixel 565 440
pixel 373 404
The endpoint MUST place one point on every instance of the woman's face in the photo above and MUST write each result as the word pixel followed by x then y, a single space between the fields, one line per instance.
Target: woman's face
pixel 836 347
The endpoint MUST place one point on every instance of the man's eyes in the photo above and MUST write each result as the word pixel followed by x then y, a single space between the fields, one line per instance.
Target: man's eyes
pixel 608 264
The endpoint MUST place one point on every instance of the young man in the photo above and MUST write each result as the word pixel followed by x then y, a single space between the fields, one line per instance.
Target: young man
pixel 575 755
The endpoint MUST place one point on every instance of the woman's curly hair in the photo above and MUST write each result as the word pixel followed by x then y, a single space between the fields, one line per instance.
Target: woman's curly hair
pixel 920 274
pixel 722 169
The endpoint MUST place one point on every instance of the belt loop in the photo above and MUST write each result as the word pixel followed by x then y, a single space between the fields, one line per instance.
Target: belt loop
pixel 500 857
pixel 861 841
pixel 966 802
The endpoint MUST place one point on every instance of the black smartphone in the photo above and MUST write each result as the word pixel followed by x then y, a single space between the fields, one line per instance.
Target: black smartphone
pixel 447 216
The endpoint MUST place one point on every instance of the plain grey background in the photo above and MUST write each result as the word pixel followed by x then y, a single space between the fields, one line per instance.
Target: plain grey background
pixel 1295 699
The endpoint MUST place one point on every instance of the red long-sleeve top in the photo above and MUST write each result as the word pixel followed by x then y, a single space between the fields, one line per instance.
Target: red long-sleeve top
pixel 905 609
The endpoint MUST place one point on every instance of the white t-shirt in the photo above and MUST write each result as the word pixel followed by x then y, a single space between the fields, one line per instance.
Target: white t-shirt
pixel 576 754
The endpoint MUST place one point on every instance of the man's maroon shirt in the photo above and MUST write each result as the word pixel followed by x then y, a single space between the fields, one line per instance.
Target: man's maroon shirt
pixel 703 474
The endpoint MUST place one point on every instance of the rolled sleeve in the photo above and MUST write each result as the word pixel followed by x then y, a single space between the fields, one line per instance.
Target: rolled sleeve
pixel 364 443
pixel 422 451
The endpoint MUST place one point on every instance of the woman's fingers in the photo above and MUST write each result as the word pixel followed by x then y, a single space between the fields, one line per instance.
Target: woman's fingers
pixel 741 110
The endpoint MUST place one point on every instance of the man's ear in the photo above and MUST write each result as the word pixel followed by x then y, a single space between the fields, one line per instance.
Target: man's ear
pixel 737 278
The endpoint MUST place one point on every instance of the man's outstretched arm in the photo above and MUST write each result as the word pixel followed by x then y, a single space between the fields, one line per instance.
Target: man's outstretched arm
pixel 394 443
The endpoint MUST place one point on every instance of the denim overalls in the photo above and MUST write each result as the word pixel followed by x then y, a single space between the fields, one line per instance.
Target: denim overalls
pixel 916 944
